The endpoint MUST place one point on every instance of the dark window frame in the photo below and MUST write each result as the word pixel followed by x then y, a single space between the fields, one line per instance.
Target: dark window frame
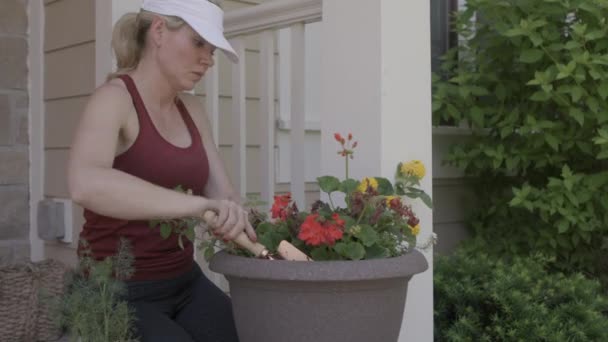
pixel 443 36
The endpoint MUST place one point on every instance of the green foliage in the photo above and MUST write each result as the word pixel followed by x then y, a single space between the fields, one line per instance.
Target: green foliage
pixel 532 83
pixel 375 223
pixel 182 227
pixel 92 308
pixel 481 298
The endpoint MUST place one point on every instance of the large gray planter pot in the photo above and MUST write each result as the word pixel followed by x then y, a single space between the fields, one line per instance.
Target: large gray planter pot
pixel 321 301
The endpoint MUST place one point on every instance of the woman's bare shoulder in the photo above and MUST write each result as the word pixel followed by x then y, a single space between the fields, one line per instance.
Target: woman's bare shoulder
pixel 112 94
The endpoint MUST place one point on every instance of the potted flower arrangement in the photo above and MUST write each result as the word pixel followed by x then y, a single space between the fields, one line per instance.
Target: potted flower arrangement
pixel 364 256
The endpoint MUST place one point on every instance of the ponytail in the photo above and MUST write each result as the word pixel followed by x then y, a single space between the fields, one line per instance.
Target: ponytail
pixel 129 38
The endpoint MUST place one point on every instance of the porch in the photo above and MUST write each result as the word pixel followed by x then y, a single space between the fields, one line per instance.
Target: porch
pixel 308 69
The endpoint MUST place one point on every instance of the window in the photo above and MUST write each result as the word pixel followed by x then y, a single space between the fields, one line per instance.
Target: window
pixel 442 35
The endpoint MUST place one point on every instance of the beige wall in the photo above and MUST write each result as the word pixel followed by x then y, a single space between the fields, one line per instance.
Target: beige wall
pixel 69 79
pixel 453 197
pixel 14 139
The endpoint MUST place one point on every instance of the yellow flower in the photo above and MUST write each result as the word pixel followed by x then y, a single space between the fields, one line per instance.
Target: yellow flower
pixel 415 230
pixel 390 198
pixel 368 182
pixel 413 168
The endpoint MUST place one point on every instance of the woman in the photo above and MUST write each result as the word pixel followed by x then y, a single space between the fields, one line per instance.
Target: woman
pixel 139 138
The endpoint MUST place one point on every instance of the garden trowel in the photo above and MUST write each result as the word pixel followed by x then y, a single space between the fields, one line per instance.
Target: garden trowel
pixel 285 251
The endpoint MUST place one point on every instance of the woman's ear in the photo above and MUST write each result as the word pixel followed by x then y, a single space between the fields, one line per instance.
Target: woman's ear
pixel 157 30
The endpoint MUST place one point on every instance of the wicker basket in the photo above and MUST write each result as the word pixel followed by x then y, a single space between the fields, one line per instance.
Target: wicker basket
pixel 26 292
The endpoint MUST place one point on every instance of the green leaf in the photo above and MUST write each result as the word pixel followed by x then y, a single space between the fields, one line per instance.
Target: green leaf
pixel 385 187
pixel 426 199
pixel 536 39
pixel 348 186
pixel 376 252
pixel 531 55
pixel 597 34
pixel 320 253
pixel 190 234
pixel 603 155
pixel 437 105
pixel 540 96
pixel 576 92
pixel 562 226
pixel 479 91
pixel 165 230
pixel 603 90
pixel 552 141
pixel 578 115
pixel 350 250
pixel 514 32
pixel 368 235
pixel 593 104
pixel 209 253
pixel 328 184
pixel 477 116
pixel 501 92
pixel 571 45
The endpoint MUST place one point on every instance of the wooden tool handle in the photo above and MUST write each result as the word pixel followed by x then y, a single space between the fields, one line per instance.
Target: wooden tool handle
pixel 242 239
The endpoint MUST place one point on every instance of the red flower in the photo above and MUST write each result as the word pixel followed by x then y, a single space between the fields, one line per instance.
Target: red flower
pixel 338 137
pixel 337 219
pixel 315 233
pixel 279 207
pixel 350 136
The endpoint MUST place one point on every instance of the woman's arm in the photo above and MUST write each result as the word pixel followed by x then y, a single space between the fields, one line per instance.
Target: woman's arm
pixel 95 185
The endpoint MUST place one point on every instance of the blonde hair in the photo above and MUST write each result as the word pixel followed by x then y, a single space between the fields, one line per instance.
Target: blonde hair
pixel 129 38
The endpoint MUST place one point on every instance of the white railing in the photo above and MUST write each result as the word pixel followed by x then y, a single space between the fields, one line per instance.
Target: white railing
pixel 265 21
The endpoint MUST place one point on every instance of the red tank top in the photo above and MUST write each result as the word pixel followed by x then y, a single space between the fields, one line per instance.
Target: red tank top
pixel 155 160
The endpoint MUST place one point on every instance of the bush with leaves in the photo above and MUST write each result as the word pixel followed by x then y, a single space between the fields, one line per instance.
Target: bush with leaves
pixel 531 80
pixel 93 308
pixel 481 298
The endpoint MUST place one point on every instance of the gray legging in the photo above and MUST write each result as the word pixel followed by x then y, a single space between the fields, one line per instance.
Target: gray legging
pixel 187 308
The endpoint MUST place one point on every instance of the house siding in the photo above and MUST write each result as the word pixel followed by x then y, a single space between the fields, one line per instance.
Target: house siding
pixel 14 139
pixel 69 79
pixel 453 197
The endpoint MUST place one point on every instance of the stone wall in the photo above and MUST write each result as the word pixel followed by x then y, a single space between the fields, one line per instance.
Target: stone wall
pixel 14 140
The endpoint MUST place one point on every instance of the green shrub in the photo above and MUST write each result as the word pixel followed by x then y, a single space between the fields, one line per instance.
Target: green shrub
pixel 481 298
pixel 93 308
pixel 532 83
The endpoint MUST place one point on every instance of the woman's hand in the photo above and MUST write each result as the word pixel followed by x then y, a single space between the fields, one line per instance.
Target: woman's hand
pixel 231 219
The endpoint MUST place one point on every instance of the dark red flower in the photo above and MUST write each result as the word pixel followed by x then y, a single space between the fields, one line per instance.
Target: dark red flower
pixel 413 221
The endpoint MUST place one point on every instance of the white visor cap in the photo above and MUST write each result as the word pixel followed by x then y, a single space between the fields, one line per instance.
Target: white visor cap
pixel 205 18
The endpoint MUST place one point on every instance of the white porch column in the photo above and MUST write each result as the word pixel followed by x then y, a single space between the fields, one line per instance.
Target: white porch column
pixel 375 77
